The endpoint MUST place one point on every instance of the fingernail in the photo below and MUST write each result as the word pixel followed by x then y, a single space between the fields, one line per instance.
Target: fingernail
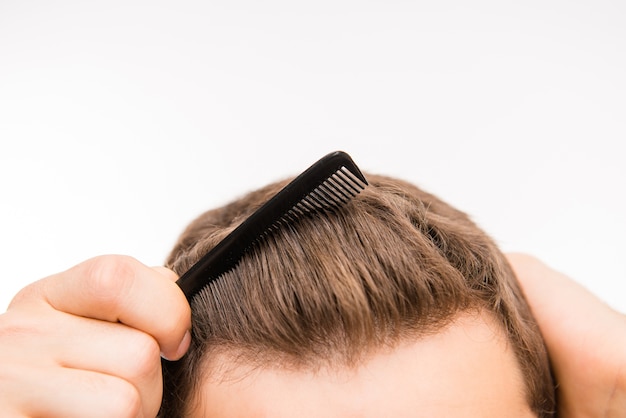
pixel 184 345
pixel 182 348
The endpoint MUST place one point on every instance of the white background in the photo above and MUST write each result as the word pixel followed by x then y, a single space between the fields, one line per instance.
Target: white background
pixel 120 121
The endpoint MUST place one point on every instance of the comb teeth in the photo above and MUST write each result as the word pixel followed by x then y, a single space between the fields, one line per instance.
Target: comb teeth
pixel 335 191
pixel 329 183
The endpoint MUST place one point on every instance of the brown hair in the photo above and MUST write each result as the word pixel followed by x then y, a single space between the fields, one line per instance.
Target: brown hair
pixel 394 263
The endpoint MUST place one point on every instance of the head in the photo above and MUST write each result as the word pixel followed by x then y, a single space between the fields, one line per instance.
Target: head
pixel 395 304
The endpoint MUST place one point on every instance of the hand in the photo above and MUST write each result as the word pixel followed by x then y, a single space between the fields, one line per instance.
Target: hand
pixel 586 341
pixel 87 342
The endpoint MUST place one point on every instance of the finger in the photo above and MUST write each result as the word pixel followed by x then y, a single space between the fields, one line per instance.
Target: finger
pixel 52 339
pixel 584 336
pixel 113 349
pixel 121 289
pixel 44 392
pixel 556 296
pixel 166 273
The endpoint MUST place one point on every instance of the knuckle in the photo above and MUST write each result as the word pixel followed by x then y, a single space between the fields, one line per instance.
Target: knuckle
pixel 125 400
pixel 109 276
pixel 26 294
pixel 146 357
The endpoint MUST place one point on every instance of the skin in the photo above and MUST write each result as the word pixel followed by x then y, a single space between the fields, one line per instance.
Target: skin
pixel 87 342
pixel 586 341
pixel 467 370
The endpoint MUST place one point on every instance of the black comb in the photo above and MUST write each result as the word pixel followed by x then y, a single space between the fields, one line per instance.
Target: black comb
pixel 329 183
